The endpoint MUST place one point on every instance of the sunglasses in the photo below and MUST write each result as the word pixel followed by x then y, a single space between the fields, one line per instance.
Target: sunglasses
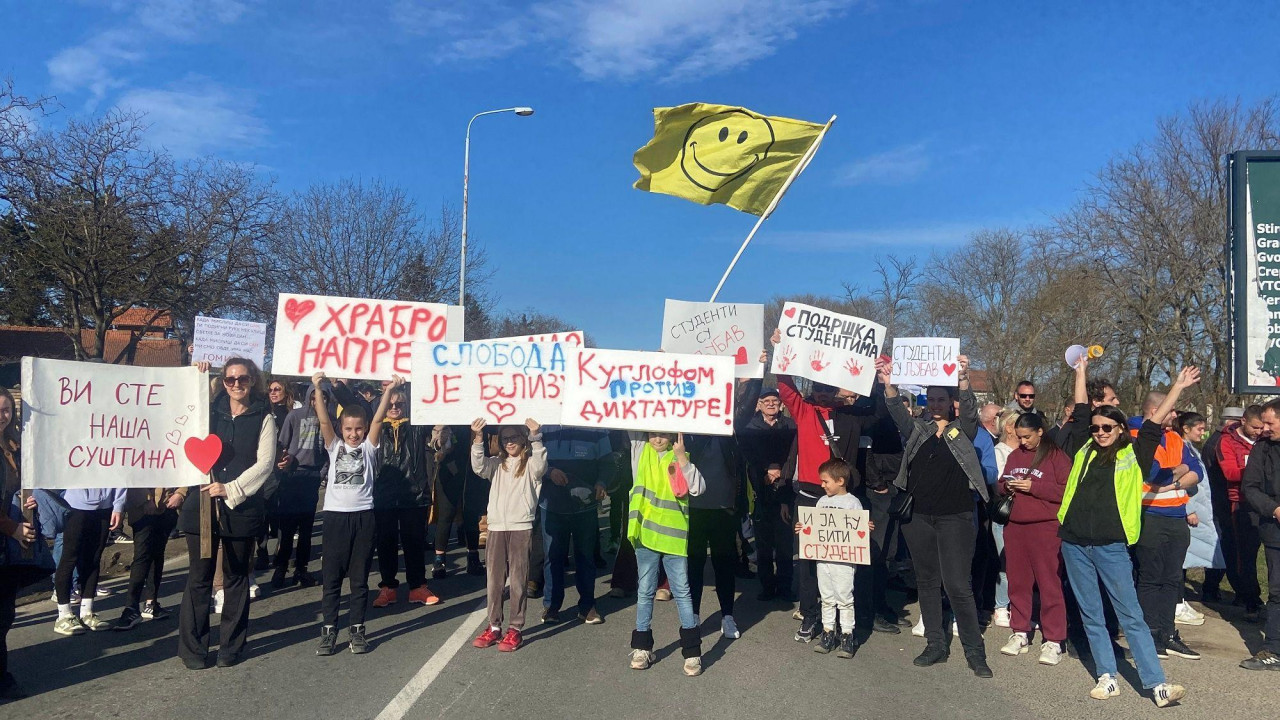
pixel 1108 428
pixel 398 405
pixel 233 380
pixel 1027 396
pixel 277 389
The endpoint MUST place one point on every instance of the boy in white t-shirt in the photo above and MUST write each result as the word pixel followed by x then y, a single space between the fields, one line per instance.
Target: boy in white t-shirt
pixel 835 579
pixel 348 514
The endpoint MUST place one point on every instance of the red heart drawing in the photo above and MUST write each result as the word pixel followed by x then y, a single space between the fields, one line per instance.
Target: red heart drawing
pixel 790 312
pixel 741 357
pixel 862 534
pixel 807 530
pixel 295 310
pixel 948 368
pixel 203 452
pixel 500 410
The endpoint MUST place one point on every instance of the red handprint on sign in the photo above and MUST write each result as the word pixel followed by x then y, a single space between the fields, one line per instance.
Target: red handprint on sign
pixel 815 361
pixel 788 357
pixel 853 367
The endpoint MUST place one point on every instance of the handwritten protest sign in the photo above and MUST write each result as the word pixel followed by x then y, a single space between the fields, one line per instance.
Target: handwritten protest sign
pixel 358 339
pixel 218 339
pixel 834 535
pixel 926 361
pixel 733 330
pixel 502 381
pixel 91 425
pixel 571 338
pixel 628 390
pixel 828 347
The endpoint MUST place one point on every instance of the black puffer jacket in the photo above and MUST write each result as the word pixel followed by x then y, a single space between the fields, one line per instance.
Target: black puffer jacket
pixel 408 471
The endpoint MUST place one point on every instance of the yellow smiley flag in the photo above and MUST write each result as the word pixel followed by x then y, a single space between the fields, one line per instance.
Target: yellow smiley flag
pixel 723 154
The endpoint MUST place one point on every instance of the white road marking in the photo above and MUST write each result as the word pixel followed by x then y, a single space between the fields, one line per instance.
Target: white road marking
pixel 418 684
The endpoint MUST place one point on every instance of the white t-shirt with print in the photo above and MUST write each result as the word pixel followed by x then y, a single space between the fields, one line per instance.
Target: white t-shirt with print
pixel 351 475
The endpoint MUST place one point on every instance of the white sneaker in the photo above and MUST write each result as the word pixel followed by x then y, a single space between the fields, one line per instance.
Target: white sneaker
pixel 1018 645
pixel 729 628
pixel 1050 653
pixel 955 629
pixel 254 591
pixel 641 659
pixel 215 607
pixel 101 592
pixel 1187 615
pixel 693 667
pixel 918 629
pixel 54 597
pixel 1106 688
pixel 1166 693
pixel 1001 617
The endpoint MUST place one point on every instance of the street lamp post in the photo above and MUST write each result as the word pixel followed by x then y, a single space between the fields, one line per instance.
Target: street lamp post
pixel 466 173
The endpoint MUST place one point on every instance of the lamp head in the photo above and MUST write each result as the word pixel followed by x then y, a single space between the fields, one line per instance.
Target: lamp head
pixel 524 111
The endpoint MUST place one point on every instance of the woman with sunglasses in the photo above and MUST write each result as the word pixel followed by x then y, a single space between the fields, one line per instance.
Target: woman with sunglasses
pixel 242 419
pixel 1101 517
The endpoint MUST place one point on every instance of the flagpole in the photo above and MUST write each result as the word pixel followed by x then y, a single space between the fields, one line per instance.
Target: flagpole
pixel 795 173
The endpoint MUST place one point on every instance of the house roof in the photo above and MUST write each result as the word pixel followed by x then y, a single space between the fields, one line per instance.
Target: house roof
pixel 138 317
pixel 44 342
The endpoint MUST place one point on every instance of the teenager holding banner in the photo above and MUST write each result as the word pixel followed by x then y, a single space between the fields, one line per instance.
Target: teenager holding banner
pixel 941 473
pixel 241 418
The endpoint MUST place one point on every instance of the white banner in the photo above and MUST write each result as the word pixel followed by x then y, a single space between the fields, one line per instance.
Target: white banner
pixel 828 347
pixel 834 535
pixel 733 330
pixel 628 390
pixel 571 338
pixel 92 425
pixel 502 381
pixel 926 361
pixel 217 340
pixel 356 339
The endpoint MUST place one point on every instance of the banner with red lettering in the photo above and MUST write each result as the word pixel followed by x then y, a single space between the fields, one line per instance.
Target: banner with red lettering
pixel 571 338
pixel 629 390
pixel 734 330
pixel 926 361
pixel 354 338
pixel 834 535
pixel 828 347
pixel 93 425
pixel 502 381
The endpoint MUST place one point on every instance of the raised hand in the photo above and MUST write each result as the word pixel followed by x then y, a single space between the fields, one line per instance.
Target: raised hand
pixel 1188 377
pixel 884 370
pixel 396 381
pixel 315 379
pixel 532 425
pixel 776 337
pixel 964 364
pixel 477 429
pixel 679 446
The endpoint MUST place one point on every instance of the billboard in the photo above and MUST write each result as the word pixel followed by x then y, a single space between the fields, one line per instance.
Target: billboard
pixel 1254 252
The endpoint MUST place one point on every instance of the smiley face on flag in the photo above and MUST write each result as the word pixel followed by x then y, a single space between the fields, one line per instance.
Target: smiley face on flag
pixel 723 147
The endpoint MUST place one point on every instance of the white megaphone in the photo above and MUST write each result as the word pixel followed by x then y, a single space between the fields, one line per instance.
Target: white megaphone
pixel 1076 352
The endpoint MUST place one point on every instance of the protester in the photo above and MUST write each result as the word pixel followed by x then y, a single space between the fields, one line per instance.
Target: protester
pixel 941 473
pixel 658 529
pixel 835 579
pixel 581 463
pixel 459 492
pixel 988 418
pixel 153 514
pixel 241 418
pixel 765 437
pixel 1036 474
pixel 713 522
pixel 302 468
pixel 883 462
pixel 94 513
pixel 281 399
pixel 1211 588
pixel 1101 516
pixel 354 461
pixel 1024 399
pixel 1205 550
pixel 1240 535
pixel 1260 488
pixel 1008 442
pixel 402 501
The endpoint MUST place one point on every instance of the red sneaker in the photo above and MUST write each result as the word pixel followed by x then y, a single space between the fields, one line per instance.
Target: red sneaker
pixel 386 596
pixel 423 596
pixel 487 638
pixel 511 642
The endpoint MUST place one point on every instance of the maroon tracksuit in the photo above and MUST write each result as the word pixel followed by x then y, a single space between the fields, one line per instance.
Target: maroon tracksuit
pixel 1031 546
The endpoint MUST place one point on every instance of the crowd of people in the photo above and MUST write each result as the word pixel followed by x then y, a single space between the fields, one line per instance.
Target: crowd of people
pixel 1079 528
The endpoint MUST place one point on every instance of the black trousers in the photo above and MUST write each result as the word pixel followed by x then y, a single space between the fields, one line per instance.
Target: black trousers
pixel 8 611
pixel 871 584
pixel 942 555
pixel 986 561
pixel 1160 550
pixel 1272 630
pixel 287 525
pixel 1240 544
pixel 193 616
pixel 83 540
pixel 348 554
pixel 619 504
pixel 402 528
pixel 774 542
pixel 472 495
pixel 807 574
pixel 150 537
pixel 718 530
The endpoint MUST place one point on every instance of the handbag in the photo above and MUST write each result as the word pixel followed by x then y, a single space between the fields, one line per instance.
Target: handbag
pixel 1000 508
pixel 900 506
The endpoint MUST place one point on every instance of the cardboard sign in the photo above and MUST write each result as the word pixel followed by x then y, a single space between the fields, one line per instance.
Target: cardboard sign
pixel 571 338
pixel 926 361
pixel 356 339
pixel 733 330
pixel 502 381
pixel 628 390
pixel 828 347
pixel 834 535
pixel 93 425
pixel 217 339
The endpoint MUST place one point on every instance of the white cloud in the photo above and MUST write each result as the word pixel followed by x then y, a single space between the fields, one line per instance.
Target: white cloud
pixel 196 117
pixel 891 167
pixel 90 66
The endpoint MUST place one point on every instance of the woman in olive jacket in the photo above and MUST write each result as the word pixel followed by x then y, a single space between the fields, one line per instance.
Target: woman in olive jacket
pixel 241 417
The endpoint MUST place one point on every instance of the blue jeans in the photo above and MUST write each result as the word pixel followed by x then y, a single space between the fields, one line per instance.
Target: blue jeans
pixel 1086 565
pixel 677 577
pixel 1002 583
pixel 558 531
pixel 53 512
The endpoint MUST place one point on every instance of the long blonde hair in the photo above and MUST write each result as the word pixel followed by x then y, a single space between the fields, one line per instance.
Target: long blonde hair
pixel 1006 420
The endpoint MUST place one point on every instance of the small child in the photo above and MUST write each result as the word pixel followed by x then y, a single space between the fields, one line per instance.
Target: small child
pixel 515 481
pixel 835 579
pixel 348 514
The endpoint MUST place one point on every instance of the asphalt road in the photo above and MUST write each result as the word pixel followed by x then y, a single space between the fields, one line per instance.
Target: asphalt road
pixel 423 666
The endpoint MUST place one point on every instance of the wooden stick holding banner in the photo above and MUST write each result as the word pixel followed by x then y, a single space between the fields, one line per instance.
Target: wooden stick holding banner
pixel 795 173
pixel 206 523
pixel 28 517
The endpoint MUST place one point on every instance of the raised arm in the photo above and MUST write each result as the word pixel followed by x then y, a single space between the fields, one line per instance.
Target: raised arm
pixel 322 412
pixel 968 418
pixel 1186 378
pixel 537 465
pixel 901 416
pixel 481 464
pixel 375 425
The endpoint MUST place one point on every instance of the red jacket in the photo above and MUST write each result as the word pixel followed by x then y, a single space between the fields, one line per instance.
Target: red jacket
pixel 1048 483
pixel 1233 455
pixel 811 442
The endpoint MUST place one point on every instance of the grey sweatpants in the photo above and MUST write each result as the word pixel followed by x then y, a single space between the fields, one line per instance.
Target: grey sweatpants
pixel 507 558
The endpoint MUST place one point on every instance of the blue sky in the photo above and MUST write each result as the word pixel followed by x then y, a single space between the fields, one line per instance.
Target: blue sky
pixel 953 116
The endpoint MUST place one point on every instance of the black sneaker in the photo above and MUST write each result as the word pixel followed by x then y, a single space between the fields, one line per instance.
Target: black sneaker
pixel 550 617
pixel 827 642
pixel 1264 660
pixel 884 626
pixel 848 646
pixel 152 610
pixel 978 664
pixel 279 578
pixel 932 655
pixel 1252 613
pixel 328 640
pixel 359 644
pixel 304 579
pixel 808 631
pixel 1162 650
pixel 130 618
pixel 474 566
pixel 1174 646
pixel 438 570
pixel 118 536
